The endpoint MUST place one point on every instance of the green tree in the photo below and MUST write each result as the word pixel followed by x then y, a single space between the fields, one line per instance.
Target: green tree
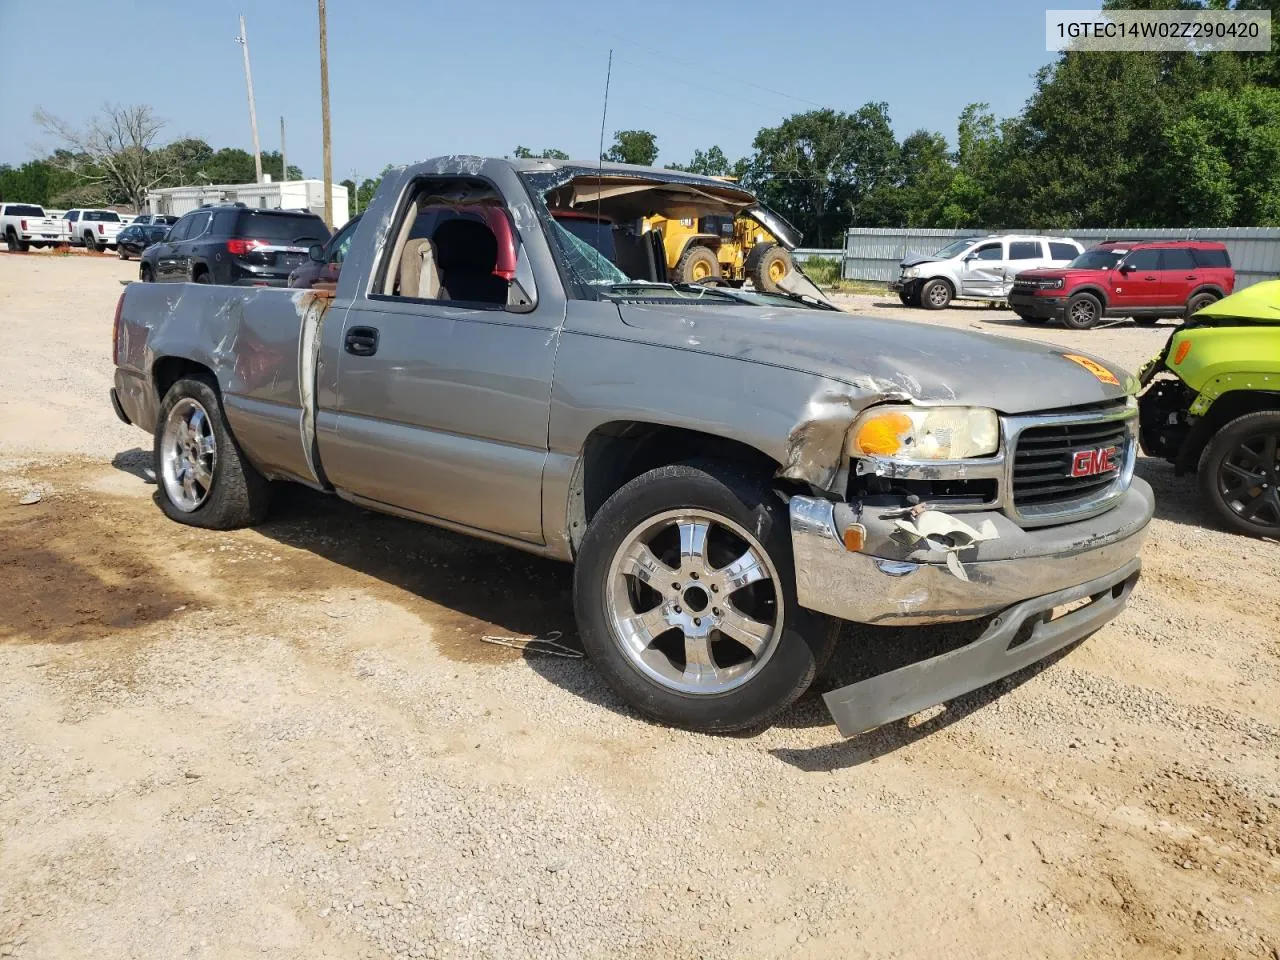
pixel 550 153
pixel 1225 158
pixel 36 181
pixel 926 173
pixel 825 169
pixel 710 163
pixel 633 146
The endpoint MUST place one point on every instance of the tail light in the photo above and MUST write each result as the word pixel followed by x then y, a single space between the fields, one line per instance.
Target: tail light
pixel 102 229
pixel 115 331
pixel 241 247
pixel 24 225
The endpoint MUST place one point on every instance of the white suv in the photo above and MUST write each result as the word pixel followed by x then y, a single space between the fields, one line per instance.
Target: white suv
pixel 977 268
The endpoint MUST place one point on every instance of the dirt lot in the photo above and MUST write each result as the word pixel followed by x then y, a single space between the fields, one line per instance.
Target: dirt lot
pixel 292 742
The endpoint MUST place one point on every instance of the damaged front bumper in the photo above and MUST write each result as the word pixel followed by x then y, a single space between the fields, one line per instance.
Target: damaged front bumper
pixel 1021 575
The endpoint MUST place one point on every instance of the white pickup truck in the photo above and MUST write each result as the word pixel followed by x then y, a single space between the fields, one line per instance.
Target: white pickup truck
pixel 25 225
pixel 95 229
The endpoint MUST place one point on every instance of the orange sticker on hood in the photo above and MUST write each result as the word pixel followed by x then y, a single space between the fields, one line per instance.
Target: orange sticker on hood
pixel 1094 367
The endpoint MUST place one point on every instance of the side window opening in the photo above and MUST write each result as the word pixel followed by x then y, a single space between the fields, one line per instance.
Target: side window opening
pixel 990 251
pixel 1177 258
pixel 1024 250
pixel 457 243
pixel 1062 251
pixel 1144 260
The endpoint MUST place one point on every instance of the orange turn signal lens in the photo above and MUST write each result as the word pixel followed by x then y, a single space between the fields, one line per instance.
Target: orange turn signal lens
pixel 882 435
pixel 1181 353
pixel 855 535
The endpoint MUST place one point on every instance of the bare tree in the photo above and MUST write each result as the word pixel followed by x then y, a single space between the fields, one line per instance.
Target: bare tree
pixel 116 155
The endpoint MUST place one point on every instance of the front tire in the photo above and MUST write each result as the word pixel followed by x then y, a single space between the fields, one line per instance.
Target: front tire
pixel 146 274
pixel 1083 311
pixel 1239 474
pixel 770 268
pixel 122 253
pixel 684 592
pixel 936 295
pixel 203 478
pixel 1033 320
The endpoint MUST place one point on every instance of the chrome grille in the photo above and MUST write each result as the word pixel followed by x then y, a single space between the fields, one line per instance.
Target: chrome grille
pixel 1043 460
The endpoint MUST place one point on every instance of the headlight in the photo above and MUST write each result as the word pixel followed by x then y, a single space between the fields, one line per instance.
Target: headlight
pixel 925 433
pixel 1051 284
pixel 910 273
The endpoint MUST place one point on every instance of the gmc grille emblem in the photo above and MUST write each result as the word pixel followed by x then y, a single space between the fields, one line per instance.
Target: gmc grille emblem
pixel 1088 463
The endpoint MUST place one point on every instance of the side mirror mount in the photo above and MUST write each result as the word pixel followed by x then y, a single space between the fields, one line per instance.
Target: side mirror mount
pixel 316 252
pixel 1127 268
pixel 522 295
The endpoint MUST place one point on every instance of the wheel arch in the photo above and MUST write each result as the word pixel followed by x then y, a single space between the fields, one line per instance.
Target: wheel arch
pixel 166 371
pixel 1224 408
pixel 1095 291
pixel 1213 288
pixel 617 452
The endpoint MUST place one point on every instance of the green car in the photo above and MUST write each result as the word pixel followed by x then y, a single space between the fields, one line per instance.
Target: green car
pixel 1211 403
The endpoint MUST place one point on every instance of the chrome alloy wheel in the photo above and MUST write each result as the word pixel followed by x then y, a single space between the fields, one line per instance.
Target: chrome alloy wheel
pixel 694 602
pixel 189 454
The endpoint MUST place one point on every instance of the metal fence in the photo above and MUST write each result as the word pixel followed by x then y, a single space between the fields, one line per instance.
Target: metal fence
pixel 873 253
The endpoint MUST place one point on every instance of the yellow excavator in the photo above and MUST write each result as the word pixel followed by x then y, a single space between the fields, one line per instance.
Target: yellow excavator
pixel 755 245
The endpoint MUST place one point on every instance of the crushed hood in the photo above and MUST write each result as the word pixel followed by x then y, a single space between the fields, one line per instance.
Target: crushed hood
pixel 913 259
pixel 925 363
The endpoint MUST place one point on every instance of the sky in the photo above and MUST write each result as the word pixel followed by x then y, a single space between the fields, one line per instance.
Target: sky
pixel 411 79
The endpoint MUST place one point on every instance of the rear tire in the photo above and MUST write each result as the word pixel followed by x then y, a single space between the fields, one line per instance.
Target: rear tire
pixel 697 265
pixel 120 252
pixel 90 243
pixel 192 438
pixel 1145 321
pixel 936 295
pixel 1083 311
pixel 1239 475
pixel 14 244
pixel 770 268
pixel 644 574
pixel 1199 302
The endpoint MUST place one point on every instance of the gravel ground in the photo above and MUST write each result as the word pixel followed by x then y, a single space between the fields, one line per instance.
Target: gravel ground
pixel 291 741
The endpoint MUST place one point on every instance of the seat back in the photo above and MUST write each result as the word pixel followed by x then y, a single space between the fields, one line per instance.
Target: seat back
pixel 419 275
pixel 466 254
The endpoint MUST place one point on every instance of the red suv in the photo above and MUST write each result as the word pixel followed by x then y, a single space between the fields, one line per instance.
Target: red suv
pixel 1145 281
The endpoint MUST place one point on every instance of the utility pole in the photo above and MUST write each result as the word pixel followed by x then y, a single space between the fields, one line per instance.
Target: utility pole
pixel 324 118
pixel 355 178
pixel 243 40
pixel 284 158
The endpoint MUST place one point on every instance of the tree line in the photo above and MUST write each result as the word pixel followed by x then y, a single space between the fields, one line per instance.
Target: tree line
pixel 117 157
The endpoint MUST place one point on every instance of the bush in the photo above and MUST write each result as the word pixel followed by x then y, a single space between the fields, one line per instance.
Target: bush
pixel 824 271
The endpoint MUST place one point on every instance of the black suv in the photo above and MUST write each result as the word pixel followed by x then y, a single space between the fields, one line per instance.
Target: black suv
pixel 234 245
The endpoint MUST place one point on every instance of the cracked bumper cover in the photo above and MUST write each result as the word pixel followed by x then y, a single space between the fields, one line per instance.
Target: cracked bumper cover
pixel 1022 576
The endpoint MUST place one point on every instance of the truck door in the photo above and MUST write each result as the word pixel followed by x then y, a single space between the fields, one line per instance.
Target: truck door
pixel 441 399
pixel 1023 255
pixel 983 272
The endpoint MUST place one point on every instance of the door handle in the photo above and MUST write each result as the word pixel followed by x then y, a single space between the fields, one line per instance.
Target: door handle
pixel 362 341
pixel 1151 279
pixel 1190 276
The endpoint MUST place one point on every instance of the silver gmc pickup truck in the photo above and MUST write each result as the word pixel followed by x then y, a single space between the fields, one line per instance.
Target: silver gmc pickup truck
pixel 735 474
